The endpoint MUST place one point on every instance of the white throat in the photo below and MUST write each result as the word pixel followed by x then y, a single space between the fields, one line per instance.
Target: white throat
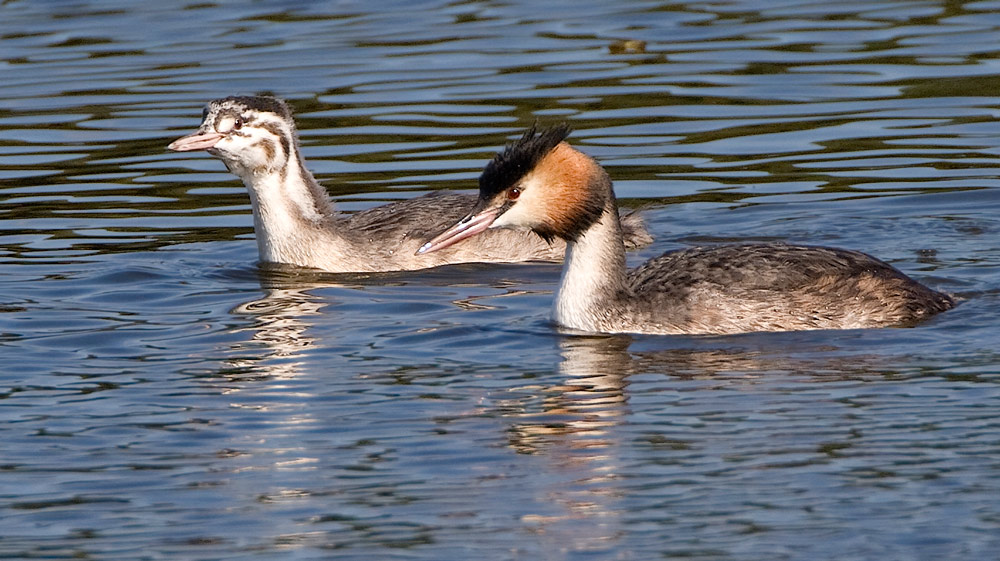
pixel 289 220
pixel 593 275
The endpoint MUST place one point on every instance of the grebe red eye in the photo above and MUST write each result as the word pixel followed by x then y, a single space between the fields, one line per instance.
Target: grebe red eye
pixel 514 193
pixel 238 124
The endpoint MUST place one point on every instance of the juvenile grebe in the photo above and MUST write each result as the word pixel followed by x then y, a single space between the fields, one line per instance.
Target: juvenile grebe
pixel 541 182
pixel 296 223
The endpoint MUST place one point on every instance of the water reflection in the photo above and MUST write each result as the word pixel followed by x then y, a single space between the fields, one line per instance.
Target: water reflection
pixel 705 395
pixel 590 399
pixel 350 423
pixel 279 324
pixel 574 427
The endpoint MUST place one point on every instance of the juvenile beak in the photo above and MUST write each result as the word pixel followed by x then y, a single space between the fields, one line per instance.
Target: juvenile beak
pixel 196 141
pixel 467 227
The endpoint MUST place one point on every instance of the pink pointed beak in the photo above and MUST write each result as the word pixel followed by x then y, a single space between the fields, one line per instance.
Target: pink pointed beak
pixel 196 141
pixel 465 228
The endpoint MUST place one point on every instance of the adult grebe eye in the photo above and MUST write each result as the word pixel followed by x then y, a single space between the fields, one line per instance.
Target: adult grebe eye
pixel 513 193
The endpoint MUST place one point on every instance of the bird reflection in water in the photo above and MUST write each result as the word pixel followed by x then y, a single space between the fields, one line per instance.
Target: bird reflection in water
pixel 574 427
pixel 278 324
pixel 585 426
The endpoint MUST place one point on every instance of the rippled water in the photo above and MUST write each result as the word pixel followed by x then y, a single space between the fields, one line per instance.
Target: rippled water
pixel 163 397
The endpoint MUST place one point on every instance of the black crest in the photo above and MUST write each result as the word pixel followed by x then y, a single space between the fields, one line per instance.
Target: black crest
pixel 519 158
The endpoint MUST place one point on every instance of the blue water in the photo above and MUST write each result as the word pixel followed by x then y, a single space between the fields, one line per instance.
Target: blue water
pixel 164 397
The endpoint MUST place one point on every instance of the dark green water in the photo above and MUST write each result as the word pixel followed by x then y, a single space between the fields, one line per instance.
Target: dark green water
pixel 164 398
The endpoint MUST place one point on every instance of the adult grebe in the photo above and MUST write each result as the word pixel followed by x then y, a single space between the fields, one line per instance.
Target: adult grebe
pixel 295 221
pixel 543 183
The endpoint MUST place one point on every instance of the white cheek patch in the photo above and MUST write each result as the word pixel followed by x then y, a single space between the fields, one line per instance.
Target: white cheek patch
pixel 529 209
pixel 515 217
pixel 225 124
pixel 507 219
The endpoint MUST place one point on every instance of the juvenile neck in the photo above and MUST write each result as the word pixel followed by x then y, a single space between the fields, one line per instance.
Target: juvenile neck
pixel 593 275
pixel 292 214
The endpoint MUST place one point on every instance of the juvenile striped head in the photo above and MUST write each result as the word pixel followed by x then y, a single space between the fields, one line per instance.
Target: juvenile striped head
pixel 252 135
pixel 538 182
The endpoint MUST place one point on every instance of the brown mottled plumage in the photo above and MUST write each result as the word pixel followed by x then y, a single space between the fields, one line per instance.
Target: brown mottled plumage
pixel 719 289
pixel 296 223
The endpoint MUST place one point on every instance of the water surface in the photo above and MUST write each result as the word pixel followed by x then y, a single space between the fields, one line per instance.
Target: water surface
pixel 163 396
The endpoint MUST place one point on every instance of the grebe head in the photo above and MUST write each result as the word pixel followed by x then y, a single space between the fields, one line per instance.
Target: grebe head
pixel 538 182
pixel 252 135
